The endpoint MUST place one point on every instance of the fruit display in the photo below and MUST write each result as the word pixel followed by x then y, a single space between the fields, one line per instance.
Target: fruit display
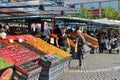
pixel 14 46
pixel 18 48
pixel 6 43
pixel 32 55
pixel 46 47
pixel 4 63
pixel 12 56
pixel 11 37
pixel 6 52
pixel 7 74
pixel 16 56
pixel 16 37
pixel 29 36
pixel 91 39
pixel 92 45
pixel 71 43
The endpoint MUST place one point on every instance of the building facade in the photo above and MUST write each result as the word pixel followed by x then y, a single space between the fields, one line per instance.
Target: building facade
pixel 94 6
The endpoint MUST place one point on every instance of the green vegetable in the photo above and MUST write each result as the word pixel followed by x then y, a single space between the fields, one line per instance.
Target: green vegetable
pixel 57 56
pixel 44 59
pixel 4 63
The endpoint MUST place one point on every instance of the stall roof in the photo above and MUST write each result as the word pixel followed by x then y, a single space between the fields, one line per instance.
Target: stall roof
pixel 74 19
pixel 103 21
pixel 106 21
pixel 30 8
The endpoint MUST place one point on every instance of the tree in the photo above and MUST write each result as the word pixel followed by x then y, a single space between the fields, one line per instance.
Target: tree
pixel 110 13
pixel 83 13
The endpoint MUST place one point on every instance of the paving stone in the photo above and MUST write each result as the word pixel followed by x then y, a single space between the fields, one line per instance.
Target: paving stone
pixel 95 67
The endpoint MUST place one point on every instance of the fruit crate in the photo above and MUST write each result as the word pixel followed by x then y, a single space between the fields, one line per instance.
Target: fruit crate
pixel 6 70
pixel 27 71
pixel 51 73
pixel 47 63
pixel 51 69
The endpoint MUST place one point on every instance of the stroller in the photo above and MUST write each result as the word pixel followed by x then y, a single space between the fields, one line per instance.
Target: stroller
pixel 114 46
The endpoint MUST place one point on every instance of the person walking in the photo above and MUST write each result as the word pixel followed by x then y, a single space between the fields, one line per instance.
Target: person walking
pixel 62 41
pixel 80 41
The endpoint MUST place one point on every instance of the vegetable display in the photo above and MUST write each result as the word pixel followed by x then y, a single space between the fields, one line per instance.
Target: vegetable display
pixel 46 47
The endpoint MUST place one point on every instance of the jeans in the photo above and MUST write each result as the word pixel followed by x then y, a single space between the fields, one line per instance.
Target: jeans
pixel 80 57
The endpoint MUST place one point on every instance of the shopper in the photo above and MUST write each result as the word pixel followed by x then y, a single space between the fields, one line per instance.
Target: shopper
pixel 7 29
pixel 62 40
pixel 46 31
pixel 2 34
pixel 80 41
pixel 106 40
pixel 110 36
pixel 2 26
pixel 101 41
pixel 33 28
pixel 113 43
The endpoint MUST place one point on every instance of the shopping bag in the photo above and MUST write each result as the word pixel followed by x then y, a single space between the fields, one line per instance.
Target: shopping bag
pixel 86 51
pixel 68 50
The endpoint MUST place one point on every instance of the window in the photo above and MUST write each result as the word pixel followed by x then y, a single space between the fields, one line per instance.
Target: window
pixel 114 4
pixel 78 6
pixel 88 6
pixel 94 5
pixel 105 4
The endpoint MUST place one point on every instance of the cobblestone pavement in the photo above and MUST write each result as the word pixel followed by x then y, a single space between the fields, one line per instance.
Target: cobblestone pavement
pixel 95 67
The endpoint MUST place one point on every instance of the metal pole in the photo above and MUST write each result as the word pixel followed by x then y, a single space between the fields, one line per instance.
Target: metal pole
pixel 52 23
pixel 100 9
pixel 119 6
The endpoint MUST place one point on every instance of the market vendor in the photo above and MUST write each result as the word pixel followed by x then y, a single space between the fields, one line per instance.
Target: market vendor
pixel 62 40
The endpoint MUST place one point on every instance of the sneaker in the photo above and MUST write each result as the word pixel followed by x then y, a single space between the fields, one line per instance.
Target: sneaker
pixel 80 64
pixel 78 67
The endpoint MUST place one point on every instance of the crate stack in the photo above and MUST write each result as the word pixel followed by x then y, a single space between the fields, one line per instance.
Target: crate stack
pixel 53 66
pixel 27 71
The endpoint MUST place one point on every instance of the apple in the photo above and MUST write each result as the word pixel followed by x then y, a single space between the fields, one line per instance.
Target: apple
pixel 11 40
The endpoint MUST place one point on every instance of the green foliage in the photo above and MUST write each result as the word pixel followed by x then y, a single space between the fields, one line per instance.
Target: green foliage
pixel 83 13
pixel 110 13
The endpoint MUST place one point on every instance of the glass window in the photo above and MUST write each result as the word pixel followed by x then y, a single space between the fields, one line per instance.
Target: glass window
pixel 105 4
pixel 114 4
pixel 88 5
pixel 78 6
pixel 94 5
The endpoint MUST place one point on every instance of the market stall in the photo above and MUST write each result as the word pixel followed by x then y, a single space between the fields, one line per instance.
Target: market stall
pixel 32 58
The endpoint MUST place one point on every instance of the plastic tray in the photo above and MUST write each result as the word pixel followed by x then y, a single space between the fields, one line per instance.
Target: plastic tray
pixel 10 67
pixel 19 76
